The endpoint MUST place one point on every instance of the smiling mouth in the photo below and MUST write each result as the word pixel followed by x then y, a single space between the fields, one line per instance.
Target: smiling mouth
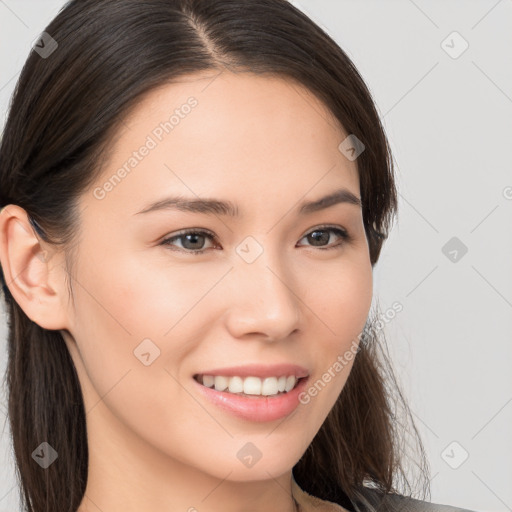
pixel 250 386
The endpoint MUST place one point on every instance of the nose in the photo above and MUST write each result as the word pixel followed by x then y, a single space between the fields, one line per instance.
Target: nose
pixel 263 300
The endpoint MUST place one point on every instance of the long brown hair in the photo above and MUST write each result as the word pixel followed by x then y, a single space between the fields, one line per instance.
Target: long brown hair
pixel 63 114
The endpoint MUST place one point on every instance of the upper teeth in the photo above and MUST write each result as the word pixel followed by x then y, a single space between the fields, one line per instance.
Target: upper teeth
pixel 250 385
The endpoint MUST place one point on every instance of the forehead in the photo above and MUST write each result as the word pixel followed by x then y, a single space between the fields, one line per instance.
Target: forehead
pixel 244 133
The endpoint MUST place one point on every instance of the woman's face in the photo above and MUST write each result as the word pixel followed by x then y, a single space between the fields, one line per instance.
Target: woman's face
pixel 266 287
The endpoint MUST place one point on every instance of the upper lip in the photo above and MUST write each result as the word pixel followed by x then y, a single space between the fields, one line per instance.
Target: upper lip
pixel 259 370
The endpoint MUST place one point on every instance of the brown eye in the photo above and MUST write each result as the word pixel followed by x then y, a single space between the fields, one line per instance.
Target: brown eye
pixel 322 234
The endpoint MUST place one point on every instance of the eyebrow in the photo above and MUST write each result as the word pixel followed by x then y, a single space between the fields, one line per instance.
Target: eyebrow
pixel 227 208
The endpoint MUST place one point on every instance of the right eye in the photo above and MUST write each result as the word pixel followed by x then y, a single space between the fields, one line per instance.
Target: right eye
pixel 193 238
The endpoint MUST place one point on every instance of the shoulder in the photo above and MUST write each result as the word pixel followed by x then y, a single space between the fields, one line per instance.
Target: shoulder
pixel 373 500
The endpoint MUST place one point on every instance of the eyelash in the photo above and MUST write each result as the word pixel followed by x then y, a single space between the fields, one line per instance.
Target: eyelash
pixel 346 238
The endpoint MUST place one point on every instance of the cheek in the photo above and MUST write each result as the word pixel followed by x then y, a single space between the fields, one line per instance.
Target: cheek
pixel 340 294
pixel 113 313
pixel 141 295
pixel 341 301
pixel 129 305
pixel 126 311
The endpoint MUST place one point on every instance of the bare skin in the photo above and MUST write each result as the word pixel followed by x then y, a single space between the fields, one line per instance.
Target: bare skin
pixel 156 444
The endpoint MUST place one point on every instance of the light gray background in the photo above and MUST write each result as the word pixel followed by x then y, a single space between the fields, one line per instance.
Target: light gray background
pixel 449 121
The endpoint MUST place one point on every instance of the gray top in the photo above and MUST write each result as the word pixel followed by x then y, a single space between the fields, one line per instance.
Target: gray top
pixel 398 503
pixel 370 501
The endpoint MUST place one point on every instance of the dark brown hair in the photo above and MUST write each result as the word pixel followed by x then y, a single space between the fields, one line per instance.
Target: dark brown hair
pixel 64 112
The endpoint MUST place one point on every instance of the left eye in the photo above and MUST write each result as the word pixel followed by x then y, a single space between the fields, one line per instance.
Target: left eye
pixel 193 240
pixel 323 230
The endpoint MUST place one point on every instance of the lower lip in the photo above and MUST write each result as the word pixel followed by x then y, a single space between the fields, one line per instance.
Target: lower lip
pixel 255 408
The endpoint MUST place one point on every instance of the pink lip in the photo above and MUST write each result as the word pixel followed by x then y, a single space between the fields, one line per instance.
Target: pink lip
pixel 255 408
pixel 259 370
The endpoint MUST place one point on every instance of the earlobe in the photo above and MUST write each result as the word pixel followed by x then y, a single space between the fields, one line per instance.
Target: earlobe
pixel 25 261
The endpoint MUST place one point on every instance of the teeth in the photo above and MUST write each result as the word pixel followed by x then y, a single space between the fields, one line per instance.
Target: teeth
pixel 290 382
pixel 269 386
pixel 208 380
pixel 250 385
pixel 236 384
pixel 221 383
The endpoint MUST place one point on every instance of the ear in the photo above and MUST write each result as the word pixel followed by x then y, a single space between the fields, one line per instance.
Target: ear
pixel 31 269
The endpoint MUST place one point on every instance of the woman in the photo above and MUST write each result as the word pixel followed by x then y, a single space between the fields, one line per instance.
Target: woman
pixel 195 193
